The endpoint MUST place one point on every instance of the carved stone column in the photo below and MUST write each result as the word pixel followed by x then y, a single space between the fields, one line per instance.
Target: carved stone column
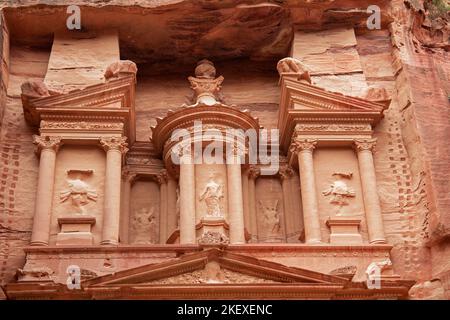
pixel 162 181
pixel 127 182
pixel 286 173
pixel 253 174
pixel 171 205
pixel 187 199
pixel 372 207
pixel 235 203
pixel 48 147
pixel 115 147
pixel 304 148
pixel 245 200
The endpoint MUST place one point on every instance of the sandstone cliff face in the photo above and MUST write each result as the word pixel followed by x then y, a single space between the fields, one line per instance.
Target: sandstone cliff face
pixel 409 57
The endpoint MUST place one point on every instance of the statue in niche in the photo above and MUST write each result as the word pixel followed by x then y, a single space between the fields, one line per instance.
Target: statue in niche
pixel 80 193
pixel 212 195
pixel 271 217
pixel 340 192
pixel 144 226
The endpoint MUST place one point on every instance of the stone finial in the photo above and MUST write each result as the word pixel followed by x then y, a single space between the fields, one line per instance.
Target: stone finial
pixel 118 68
pixel 292 66
pixel 36 89
pixel 205 86
pixel 205 70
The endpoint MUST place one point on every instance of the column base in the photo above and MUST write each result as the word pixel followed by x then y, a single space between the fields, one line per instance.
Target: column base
pixel 109 243
pixel 378 241
pixel 314 241
pixel 344 230
pixel 38 243
pixel 75 230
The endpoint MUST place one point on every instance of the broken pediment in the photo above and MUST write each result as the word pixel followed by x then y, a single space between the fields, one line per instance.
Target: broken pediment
pixel 112 101
pixel 214 266
pixel 304 104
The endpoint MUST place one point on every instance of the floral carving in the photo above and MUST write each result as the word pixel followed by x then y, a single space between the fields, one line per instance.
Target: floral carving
pixel 81 125
pixel 333 127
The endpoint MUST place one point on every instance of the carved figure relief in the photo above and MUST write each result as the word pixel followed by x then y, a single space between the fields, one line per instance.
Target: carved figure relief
pixel 339 191
pixel 213 238
pixel 212 195
pixel 79 192
pixel 271 217
pixel 144 226
pixel 212 273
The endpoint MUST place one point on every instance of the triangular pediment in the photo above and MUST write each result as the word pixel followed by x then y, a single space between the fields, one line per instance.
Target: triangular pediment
pixel 214 266
pixel 304 96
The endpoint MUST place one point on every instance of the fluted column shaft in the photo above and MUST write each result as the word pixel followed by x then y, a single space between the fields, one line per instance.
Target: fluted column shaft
pixel 369 187
pixel 235 203
pixel 304 149
pixel 114 147
pixel 48 147
pixel 187 200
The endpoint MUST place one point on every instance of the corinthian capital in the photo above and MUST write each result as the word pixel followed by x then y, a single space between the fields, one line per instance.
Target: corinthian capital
pixel 299 145
pixel 162 177
pixel 254 172
pixel 46 142
pixel 285 172
pixel 365 144
pixel 114 143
